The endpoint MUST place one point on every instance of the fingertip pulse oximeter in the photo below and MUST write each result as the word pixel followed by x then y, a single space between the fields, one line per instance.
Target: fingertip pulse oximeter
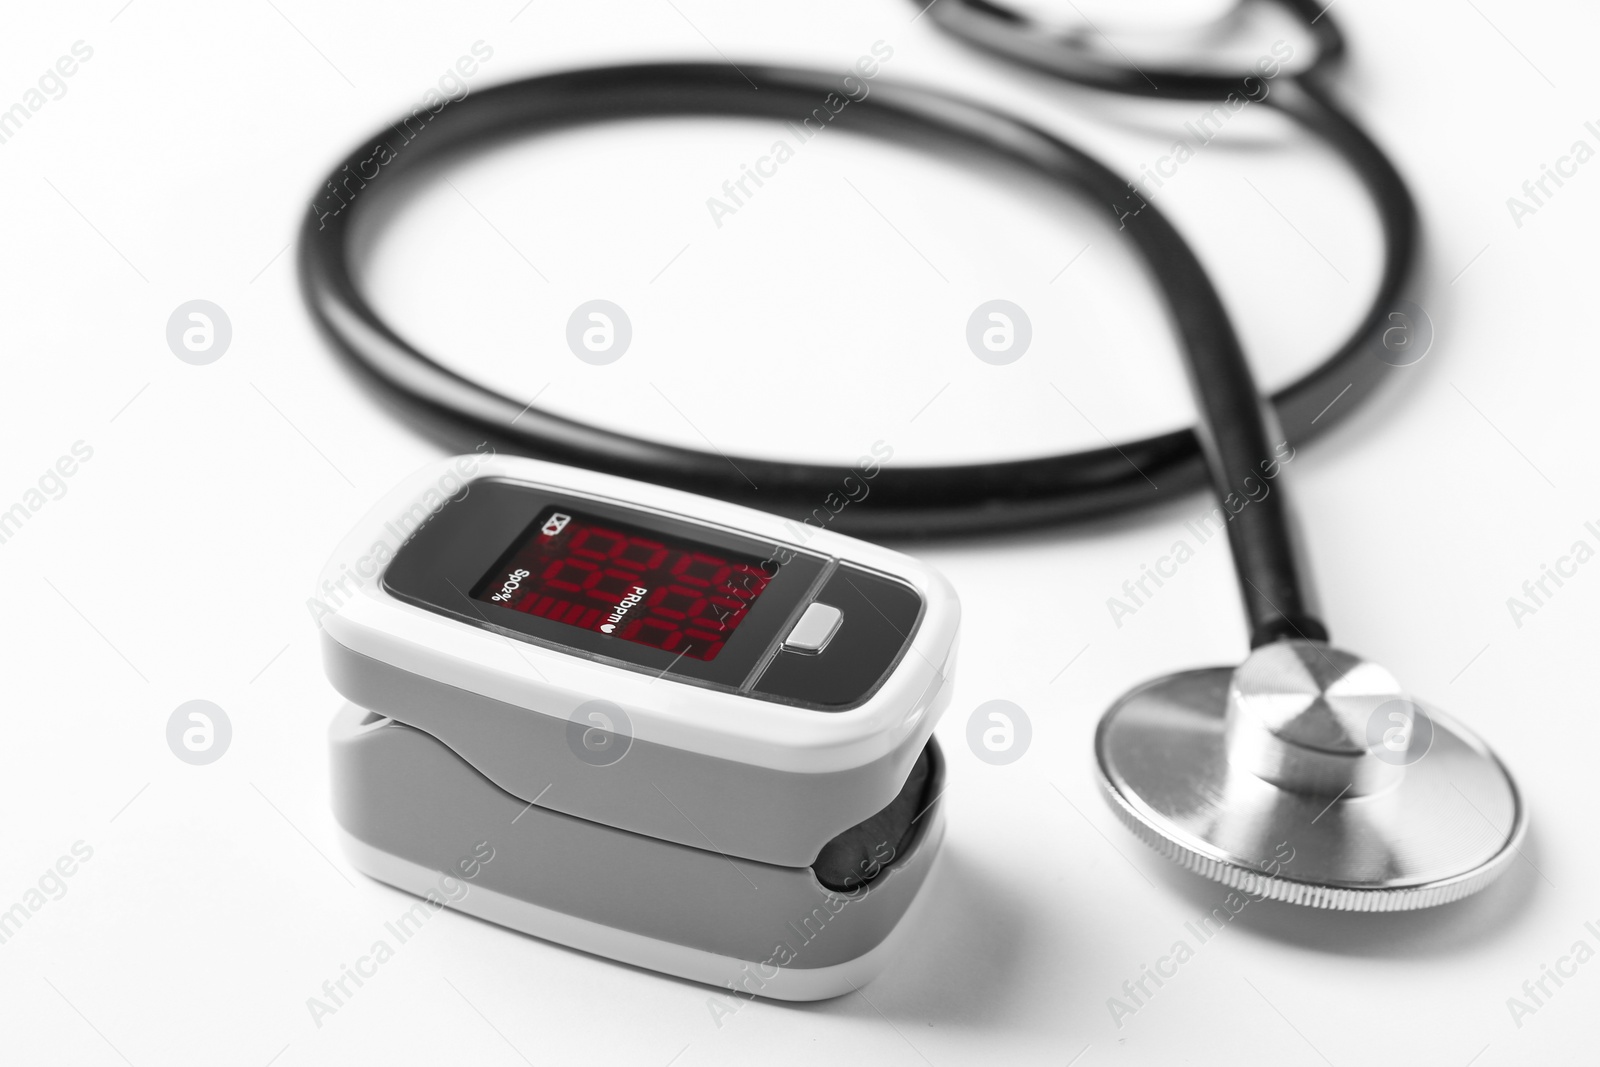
pixel 694 737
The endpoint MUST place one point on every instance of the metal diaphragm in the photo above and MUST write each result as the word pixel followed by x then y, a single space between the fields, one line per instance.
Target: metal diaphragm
pixel 1306 775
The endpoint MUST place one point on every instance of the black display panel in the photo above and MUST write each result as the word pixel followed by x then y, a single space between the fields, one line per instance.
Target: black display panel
pixel 459 550
pixel 675 594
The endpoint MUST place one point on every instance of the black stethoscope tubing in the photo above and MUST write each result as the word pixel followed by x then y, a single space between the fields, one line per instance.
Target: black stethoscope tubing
pixel 1237 432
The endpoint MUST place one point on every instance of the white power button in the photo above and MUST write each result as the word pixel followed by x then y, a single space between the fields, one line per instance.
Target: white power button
pixel 815 629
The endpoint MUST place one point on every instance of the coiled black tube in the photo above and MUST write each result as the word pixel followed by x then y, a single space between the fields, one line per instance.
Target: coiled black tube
pixel 1236 437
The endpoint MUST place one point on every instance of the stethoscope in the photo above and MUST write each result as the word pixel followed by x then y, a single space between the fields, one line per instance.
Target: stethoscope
pixel 1305 760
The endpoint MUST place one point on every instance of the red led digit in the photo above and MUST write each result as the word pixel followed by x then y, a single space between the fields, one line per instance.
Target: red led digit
pixel 675 595
pixel 697 568
pixel 643 554
pixel 675 602
pixel 657 632
pixel 607 543
pixel 568 575
pixel 724 613
pixel 609 585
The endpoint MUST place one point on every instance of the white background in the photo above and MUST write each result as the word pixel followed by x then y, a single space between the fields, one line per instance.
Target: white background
pixel 176 566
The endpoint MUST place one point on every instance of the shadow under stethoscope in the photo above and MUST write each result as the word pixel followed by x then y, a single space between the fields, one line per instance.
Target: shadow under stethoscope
pixel 972 950
pixel 1429 933
pixel 975 942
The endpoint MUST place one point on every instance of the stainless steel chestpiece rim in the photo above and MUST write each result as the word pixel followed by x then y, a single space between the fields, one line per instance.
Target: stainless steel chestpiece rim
pixel 1307 775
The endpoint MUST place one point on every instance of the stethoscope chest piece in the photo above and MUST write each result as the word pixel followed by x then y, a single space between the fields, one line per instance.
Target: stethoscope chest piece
pixel 1306 775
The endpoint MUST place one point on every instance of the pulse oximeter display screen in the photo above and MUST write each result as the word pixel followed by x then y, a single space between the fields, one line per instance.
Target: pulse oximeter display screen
pixel 670 593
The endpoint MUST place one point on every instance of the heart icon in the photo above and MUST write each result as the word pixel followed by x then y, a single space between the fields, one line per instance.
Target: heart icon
pixel 607 627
